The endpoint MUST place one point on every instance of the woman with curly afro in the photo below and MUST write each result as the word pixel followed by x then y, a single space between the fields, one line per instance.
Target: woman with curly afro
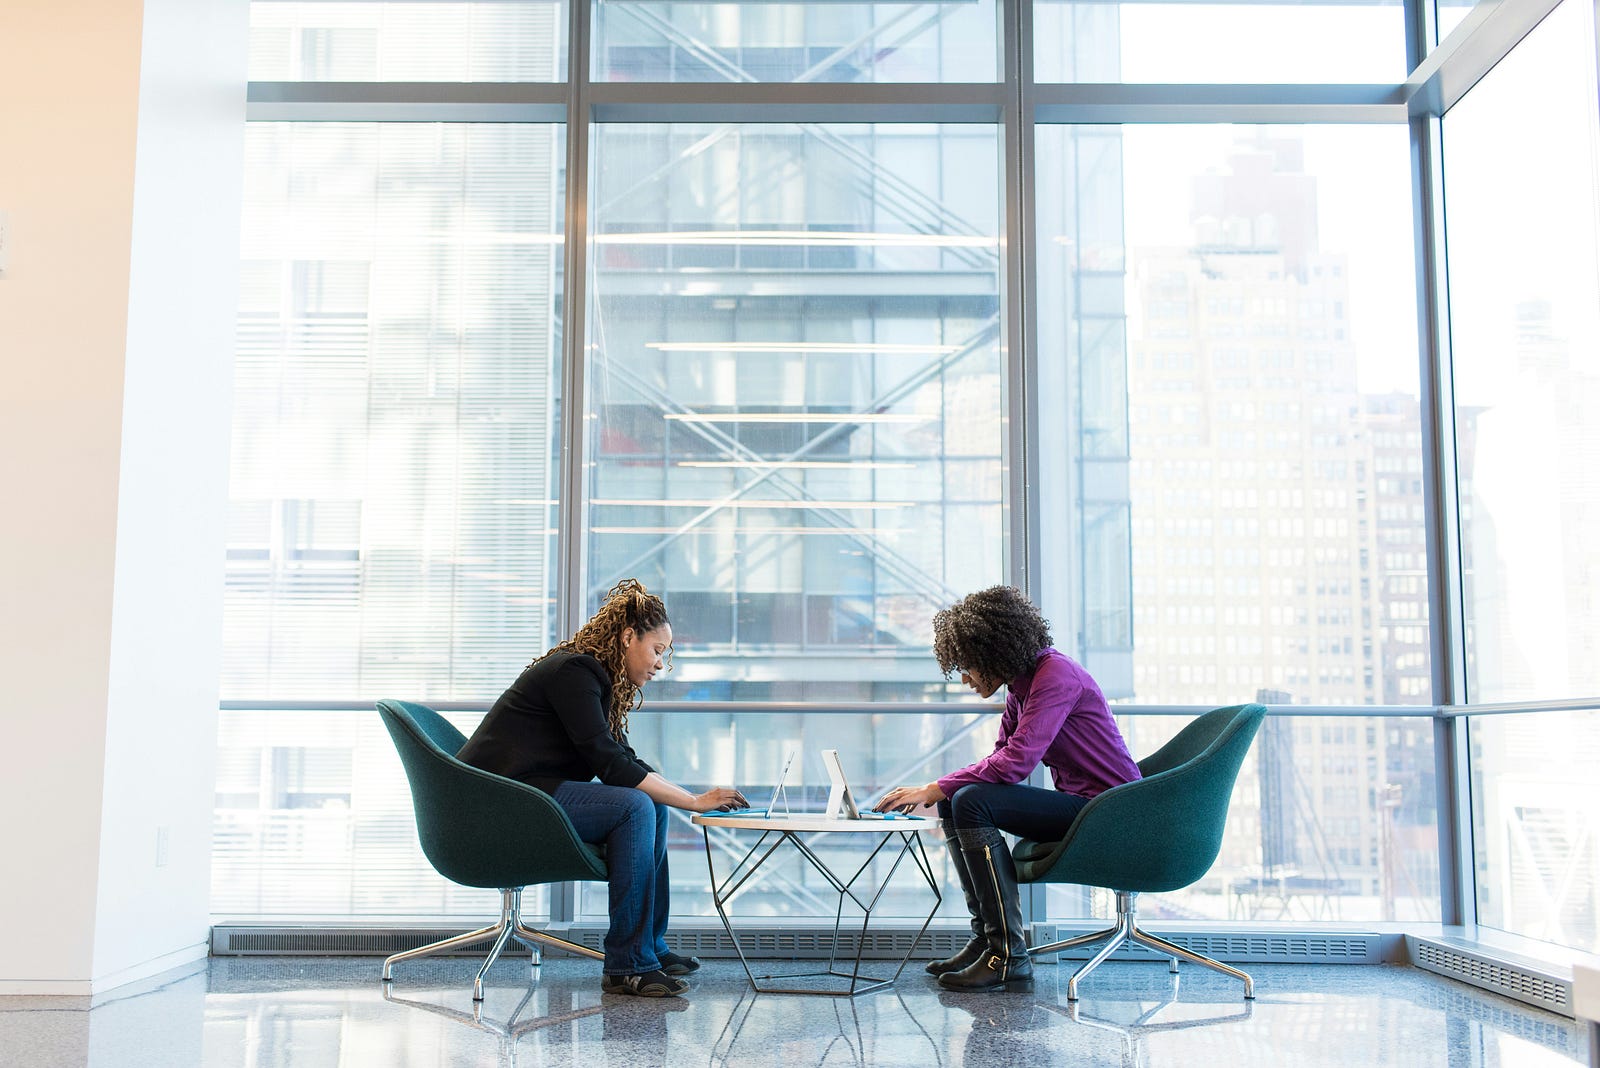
pixel 1054 714
pixel 562 725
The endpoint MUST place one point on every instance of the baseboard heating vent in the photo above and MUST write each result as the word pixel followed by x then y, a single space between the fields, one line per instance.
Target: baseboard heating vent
pixel 1353 947
pixel 701 941
pixel 801 943
pixel 326 942
pixel 1514 979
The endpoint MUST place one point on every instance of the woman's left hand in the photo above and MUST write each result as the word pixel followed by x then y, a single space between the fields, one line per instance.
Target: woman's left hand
pixel 906 798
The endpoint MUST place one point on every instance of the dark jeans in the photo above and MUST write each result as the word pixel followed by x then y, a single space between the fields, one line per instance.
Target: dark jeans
pixel 1025 811
pixel 633 829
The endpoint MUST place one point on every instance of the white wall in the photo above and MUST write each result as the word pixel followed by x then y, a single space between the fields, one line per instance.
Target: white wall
pixel 121 143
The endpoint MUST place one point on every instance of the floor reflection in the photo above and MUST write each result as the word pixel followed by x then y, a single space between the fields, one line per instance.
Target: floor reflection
pixel 1133 1020
pixel 876 1029
pixel 552 1017
pixel 557 1010
pixel 300 1012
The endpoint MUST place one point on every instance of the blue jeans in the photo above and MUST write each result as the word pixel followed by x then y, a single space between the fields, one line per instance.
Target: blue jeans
pixel 1025 811
pixel 633 828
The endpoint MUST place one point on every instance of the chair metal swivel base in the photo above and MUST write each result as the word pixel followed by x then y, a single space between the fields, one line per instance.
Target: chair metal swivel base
pixel 1127 930
pixel 509 926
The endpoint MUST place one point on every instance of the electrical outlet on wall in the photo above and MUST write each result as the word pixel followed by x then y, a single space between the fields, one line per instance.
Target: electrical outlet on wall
pixel 5 241
pixel 162 835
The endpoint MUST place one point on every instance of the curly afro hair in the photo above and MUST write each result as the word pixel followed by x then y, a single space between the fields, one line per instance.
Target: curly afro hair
pixel 996 632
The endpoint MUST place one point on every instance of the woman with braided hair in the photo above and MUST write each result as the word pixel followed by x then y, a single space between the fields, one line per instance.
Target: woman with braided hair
pixel 564 724
pixel 1054 714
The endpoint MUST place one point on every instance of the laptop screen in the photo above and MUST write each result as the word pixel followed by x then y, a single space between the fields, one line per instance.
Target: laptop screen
pixel 777 791
pixel 840 801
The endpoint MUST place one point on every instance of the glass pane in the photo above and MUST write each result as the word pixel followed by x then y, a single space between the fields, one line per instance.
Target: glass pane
pixel 1536 825
pixel 392 527
pixel 370 41
pixel 1260 477
pixel 314 821
pixel 700 750
pixel 1333 818
pixel 796 397
pixel 1520 189
pixel 1276 41
pixel 1450 13
pixel 829 41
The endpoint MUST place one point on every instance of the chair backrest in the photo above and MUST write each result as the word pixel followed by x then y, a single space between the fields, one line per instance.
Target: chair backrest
pixel 478 828
pixel 1198 735
pixel 1164 831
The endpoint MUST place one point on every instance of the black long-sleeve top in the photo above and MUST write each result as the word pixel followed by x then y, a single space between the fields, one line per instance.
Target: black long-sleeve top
pixel 550 727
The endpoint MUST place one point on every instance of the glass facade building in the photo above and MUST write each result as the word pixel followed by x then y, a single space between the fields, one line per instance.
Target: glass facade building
pixel 1259 366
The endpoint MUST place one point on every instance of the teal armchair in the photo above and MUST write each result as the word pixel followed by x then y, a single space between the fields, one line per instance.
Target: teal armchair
pixel 1155 835
pixel 481 829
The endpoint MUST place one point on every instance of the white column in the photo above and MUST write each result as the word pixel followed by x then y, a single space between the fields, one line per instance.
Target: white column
pixel 121 154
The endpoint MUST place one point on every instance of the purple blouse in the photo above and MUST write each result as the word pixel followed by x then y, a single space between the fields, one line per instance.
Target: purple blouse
pixel 1054 713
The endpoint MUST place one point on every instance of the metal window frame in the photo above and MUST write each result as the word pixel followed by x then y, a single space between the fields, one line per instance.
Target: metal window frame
pixel 952 708
pixel 1440 75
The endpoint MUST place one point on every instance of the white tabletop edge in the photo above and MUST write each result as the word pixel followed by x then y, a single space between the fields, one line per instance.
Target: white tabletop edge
pixel 811 821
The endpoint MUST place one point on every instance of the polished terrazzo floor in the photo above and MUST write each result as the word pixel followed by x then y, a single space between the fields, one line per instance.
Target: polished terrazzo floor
pixel 301 1012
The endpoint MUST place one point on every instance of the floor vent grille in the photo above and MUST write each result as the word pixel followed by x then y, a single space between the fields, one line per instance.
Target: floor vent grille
pixel 703 941
pixel 1356 947
pixel 1500 976
pixel 252 941
pixel 803 943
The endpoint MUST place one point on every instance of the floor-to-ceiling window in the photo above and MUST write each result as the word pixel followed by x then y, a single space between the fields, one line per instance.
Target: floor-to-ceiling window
pixel 1246 328
pixel 392 516
pixel 1521 192
pixel 864 306
pixel 396 416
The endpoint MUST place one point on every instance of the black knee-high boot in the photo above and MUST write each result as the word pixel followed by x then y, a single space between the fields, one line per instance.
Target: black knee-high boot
pixel 1005 964
pixel 976 946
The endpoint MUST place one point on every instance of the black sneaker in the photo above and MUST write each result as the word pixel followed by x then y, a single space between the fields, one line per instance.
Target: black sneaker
pixel 677 964
pixel 656 984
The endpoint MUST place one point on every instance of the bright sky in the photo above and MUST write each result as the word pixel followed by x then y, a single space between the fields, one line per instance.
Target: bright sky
pixel 1363 172
pixel 1521 182
pixel 1364 211
pixel 1522 162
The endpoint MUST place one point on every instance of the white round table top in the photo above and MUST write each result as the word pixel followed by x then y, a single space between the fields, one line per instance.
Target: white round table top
pixel 812 821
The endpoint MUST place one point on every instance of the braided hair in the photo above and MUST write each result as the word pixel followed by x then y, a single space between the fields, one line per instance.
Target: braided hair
pixel 997 632
pixel 628 604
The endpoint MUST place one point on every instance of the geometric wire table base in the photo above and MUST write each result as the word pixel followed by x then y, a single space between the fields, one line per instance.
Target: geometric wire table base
pixel 774 834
